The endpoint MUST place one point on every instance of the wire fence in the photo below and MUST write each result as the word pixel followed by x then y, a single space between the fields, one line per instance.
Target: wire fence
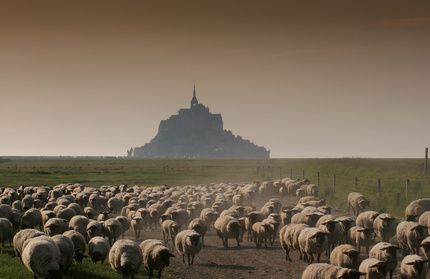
pixel 386 194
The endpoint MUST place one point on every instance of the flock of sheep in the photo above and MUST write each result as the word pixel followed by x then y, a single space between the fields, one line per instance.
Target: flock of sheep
pixel 52 227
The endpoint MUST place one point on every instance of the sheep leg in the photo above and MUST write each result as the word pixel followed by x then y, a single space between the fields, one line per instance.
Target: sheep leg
pixel 265 242
pixel 188 259
pixel 192 259
pixel 150 273
pixel 238 242
pixel 159 274
pixel 318 257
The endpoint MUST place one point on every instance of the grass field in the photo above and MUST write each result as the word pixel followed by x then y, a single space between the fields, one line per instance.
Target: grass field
pixel 391 196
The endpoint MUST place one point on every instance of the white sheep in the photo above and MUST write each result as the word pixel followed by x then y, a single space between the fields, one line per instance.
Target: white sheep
pixel 79 223
pixel 112 229
pixel 360 236
pixel 365 219
pixel 417 207
pixel 374 268
pixel 328 271
pixel 42 257
pixel 309 219
pixel 385 226
pixel 32 218
pixel 169 230
pixel 156 256
pixel 228 227
pixel 387 253
pixel 409 235
pixel 345 255
pixel 78 243
pixel 137 226
pixel 200 226
pixel 357 203
pixel 98 249
pixel 6 231
pixel 55 226
pixel 22 236
pixel 94 228
pixel 312 241
pixel 125 257
pixel 125 224
pixel 67 251
pixel 188 243
pixel 425 220
pixel 289 238
pixel 261 232
pixel 414 267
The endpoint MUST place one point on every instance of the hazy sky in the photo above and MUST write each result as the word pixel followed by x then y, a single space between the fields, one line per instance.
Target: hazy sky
pixel 302 78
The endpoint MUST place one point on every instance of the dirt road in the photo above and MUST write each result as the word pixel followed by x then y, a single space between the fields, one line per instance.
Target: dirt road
pixel 248 261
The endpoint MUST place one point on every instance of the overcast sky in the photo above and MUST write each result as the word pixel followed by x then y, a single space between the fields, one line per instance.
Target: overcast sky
pixel 302 78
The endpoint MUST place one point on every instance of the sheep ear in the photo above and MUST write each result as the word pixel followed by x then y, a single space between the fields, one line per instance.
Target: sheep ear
pixel 171 255
pixel 361 230
pixel 375 264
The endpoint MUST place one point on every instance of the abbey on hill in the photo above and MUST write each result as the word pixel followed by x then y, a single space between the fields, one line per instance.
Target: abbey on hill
pixel 197 133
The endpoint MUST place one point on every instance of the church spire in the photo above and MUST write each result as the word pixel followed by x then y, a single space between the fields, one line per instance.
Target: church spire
pixel 194 101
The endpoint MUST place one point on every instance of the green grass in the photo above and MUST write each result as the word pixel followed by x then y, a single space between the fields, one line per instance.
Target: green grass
pixel 391 196
pixel 11 267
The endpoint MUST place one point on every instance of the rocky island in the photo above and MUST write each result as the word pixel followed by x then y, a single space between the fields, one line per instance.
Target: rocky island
pixel 197 133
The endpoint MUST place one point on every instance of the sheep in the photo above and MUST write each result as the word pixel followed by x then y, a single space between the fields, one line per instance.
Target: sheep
pixel 137 226
pixel 410 234
pixel 365 219
pixel 6 231
pixel 312 241
pixel 309 219
pixel 228 227
pixel 425 246
pixel 199 225
pixel 188 243
pixel 251 219
pixel 374 268
pixel 23 235
pixel 209 215
pixel 289 238
pixel 385 226
pixel 113 229
pixel 67 251
pixel 346 223
pixel 66 213
pixel 169 229
pixel 286 214
pixel 55 226
pixel 274 219
pixel 94 228
pixel 261 232
pixel 125 257
pixel 98 249
pixel 42 258
pixel 425 220
pixel 125 224
pixel 357 203
pixel 417 207
pixel 315 203
pixel 345 255
pixel 78 243
pixel 387 253
pixel 327 223
pixel 360 236
pixel 156 256
pixel 328 271
pixel 414 267
pixel 79 223
pixel 31 219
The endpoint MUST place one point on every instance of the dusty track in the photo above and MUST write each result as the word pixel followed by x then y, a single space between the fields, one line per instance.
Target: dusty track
pixel 215 261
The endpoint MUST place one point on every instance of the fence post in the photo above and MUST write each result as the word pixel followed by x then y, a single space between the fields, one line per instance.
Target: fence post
pixel 426 161
pixel 406 188
pixel 318 179
pixel 303 172
pixel 379 185
pixel 334 182
pixel 356 182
